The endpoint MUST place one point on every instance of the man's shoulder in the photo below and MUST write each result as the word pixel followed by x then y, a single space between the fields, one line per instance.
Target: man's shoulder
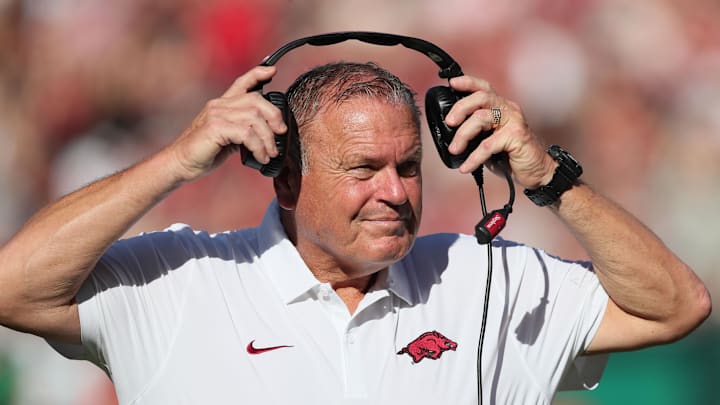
pixel 180 237
pixel 461 241
pixel 457 250
pixel 439 241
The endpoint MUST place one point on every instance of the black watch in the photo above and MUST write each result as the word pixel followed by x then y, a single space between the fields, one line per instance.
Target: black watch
pixel 566 175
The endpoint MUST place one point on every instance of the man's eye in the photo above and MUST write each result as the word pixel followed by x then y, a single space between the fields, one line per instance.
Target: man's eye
pixel 409 169
pixel 363 171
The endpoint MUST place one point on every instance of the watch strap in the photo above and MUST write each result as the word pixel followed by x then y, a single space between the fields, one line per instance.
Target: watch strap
pixel 564 178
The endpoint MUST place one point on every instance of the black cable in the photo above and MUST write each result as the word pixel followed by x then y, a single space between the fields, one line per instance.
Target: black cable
pixel 504 212
pixel 486 304
pixel 503 165
pixel 478 176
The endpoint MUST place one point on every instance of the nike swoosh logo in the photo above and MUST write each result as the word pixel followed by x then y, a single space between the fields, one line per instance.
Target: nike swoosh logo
pixel 257 350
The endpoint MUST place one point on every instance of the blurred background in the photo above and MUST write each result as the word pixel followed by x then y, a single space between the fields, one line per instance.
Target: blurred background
pixel 632 88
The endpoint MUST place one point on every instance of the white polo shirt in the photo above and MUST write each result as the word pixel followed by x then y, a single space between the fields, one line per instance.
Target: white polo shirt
pixel 184 317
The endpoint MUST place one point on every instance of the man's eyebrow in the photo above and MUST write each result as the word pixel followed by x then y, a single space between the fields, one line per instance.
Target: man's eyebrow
pixel 370 159
pixel 354 156
pixel 417 154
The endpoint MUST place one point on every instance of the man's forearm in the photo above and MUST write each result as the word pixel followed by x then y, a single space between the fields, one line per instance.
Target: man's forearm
pixel 44 265
pixel 640 274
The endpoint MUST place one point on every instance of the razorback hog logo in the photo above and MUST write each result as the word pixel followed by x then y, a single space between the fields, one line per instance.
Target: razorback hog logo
pixel 429 345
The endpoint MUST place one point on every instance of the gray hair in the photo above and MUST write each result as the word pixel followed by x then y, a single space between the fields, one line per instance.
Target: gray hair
pixel 334 83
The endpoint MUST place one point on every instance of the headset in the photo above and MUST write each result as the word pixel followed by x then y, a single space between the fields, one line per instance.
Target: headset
pixel 438 102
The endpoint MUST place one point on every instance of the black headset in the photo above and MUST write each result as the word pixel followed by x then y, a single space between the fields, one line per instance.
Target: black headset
pixel 438 102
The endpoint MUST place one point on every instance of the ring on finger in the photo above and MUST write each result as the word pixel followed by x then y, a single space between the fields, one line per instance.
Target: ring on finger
pixel 496 116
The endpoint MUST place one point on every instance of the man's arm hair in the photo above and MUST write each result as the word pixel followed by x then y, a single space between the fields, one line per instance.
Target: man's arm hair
pixel 655 298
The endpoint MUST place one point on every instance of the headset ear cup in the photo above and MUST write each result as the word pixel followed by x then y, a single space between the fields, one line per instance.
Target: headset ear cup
pixel 438 102
pixel 273 168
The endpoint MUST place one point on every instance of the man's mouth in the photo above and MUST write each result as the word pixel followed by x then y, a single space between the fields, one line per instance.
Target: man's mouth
pixel 394 224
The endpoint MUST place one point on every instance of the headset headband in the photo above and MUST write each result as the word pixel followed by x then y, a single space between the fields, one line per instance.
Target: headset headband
pixel 448 67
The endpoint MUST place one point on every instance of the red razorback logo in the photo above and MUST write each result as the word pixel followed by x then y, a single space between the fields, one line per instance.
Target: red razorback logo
pixel 429 345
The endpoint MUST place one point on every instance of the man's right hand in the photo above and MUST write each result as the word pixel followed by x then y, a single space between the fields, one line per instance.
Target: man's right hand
pixel 238 117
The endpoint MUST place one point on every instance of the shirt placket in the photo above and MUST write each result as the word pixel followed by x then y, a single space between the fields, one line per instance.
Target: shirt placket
pixel 356 355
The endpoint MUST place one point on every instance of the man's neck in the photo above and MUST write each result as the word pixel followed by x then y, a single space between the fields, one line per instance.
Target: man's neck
pixel 349 284
pixel 354 291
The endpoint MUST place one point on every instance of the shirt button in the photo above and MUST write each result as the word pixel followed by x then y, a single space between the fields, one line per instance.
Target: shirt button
pixel 350 338
pixel 324 294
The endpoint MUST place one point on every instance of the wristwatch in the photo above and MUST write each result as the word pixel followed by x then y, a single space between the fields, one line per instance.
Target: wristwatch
pixel 566 175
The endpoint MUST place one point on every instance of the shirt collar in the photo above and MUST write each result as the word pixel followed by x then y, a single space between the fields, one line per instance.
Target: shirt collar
pixel 291 276
pixel 398 283
pixel 281 261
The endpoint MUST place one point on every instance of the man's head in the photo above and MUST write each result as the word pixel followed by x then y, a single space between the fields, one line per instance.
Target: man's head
pixel 332 84
pixel 352 190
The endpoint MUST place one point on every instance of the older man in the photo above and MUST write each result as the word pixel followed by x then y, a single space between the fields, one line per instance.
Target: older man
pixel 333 298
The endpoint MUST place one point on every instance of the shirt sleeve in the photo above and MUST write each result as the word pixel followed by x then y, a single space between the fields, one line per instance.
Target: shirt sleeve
pixel 130 305
pixel 560 305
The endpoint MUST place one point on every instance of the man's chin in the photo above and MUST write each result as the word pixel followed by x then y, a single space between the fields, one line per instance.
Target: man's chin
pixel 389 249
pixel 380 229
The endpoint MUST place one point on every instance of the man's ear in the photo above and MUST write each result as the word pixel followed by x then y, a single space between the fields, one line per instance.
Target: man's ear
pixel 287 186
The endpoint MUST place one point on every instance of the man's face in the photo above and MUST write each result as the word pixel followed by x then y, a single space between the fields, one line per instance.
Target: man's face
pixel 359 204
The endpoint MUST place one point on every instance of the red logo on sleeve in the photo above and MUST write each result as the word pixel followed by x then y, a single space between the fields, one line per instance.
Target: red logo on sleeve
pixel 429 345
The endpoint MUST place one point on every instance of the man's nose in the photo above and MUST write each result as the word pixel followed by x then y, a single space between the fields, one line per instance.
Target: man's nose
pixel 391 187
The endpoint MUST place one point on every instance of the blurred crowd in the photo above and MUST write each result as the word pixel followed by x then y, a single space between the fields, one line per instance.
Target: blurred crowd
pixel 87 87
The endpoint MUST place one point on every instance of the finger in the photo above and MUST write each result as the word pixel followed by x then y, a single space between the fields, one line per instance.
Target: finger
pixel 250 134
pixel 268 111
pixel 481 94
pixel 232 126
pixel 253 103
pixel 255 144
pixel 479 121
pixel 524 150
pixel 505 137
pixel 470 84
pixel 467 106
pixel 488 147
pixel 266 136
pixel 254 132
pixel 252 78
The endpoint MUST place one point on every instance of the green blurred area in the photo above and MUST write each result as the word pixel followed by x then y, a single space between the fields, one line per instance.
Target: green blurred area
pixel 8 378
pixel 685 372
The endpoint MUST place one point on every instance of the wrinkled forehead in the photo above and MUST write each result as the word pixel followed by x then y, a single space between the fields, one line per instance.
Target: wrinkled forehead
pixel 364 123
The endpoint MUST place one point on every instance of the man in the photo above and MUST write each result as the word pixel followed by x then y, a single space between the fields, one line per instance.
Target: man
pixel 332 299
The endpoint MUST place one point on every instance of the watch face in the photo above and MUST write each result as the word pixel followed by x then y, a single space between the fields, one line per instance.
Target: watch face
pixel 565 159
pixel 555 151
